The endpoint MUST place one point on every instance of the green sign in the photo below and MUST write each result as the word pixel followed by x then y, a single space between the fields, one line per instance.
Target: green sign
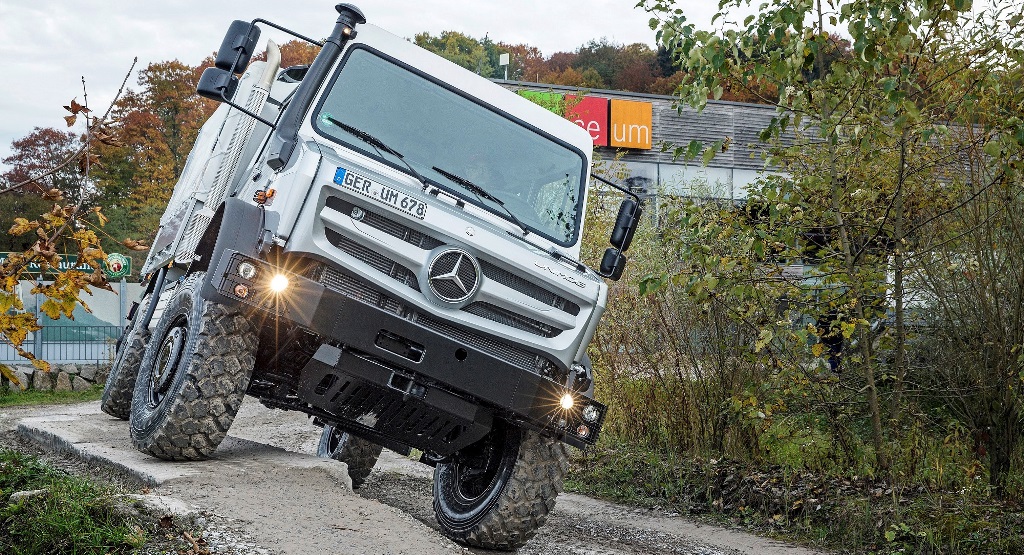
pixel 116 266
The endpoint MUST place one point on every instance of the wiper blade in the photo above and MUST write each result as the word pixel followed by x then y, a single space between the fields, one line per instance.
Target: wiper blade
pixel 481 193
pixel 376 143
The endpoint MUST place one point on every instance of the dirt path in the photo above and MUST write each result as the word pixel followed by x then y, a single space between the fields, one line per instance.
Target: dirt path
pixel 265 476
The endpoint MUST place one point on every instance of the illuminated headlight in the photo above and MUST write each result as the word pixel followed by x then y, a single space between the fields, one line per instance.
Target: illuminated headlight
pixel 567 401
pixel 591 414
pixel 247 270
pixel 279 283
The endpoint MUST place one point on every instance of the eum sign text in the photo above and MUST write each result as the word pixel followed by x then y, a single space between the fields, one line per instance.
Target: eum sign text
pixel 610 122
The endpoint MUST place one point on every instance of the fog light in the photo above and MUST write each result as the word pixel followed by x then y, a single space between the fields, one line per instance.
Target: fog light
pixel 567 401
pixel 247 270
pixel 591 414
pixel 241 291
pixel 279 283
pixel 583 430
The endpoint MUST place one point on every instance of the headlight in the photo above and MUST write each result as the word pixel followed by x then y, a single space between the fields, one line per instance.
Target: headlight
pixel 591 414
pixel 279 283
pixel 247 270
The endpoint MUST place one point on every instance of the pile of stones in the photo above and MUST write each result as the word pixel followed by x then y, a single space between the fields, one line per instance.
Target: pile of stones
pixel 61 377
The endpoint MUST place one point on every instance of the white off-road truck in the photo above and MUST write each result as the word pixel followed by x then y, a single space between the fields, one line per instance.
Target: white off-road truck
pixel 388 243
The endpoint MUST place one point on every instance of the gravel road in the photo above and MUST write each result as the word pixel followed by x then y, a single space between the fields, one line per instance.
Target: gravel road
pixel 283 500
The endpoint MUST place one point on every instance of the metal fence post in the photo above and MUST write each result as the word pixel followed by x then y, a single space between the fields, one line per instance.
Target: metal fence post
pixel 122 294
pixel 37 339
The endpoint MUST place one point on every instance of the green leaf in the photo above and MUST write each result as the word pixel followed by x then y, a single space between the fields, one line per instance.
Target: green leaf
pixel 890 535
pixel 992 148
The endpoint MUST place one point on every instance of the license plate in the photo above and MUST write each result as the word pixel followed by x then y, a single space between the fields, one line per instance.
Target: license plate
pixel 380 193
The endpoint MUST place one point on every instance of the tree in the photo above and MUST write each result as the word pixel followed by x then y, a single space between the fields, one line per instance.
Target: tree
pixel 43 149
pixel 863 140
pixel 64 228
pixel 458 48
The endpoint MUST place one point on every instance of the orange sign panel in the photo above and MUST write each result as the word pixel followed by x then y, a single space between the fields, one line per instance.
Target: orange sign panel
pixel 631 124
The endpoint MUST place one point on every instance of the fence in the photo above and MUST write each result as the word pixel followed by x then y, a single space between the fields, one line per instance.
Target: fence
pixel 79 344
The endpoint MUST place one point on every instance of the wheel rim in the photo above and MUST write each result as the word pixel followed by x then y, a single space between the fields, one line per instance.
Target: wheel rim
pixel 166 366
pixel 471 483
pixel 334 441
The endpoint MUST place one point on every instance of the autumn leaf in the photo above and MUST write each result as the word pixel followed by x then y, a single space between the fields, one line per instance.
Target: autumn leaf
pixel 6 372
pixel 70 119
pixel 22 225
pixel 134 245
pixel 100 217
pixel 817 349
pixel 76 107
pixel 53 195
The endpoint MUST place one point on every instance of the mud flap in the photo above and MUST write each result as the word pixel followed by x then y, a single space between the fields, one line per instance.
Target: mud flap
pixel 241 229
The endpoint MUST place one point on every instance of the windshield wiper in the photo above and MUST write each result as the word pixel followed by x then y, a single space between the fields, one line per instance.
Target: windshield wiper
pixel 481 193
pixel 378 144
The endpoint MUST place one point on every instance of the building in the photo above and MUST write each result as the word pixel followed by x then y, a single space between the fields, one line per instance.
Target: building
pixel 647 127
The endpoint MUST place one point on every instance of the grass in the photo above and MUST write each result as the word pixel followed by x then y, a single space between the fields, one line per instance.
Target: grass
pixel 9 398
pixel 74 516
pixel 821 508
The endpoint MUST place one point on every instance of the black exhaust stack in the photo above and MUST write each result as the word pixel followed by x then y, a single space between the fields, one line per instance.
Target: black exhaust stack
pixel 282 145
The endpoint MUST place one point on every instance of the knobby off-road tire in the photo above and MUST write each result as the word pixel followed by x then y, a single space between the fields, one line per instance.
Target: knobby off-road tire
pixel 192 377
pixel 359 454
pixel 120 386
pixel 503 507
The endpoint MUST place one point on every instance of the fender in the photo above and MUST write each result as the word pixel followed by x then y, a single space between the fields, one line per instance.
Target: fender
pixel 243 233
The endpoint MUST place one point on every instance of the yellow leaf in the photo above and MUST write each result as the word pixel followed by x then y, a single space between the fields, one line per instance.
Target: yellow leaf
pixel 50 308
pixel 817 349
pixel 6 372
pixel 41 364
pixel 22 225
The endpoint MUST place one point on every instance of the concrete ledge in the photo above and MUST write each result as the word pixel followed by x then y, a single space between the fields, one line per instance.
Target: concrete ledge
pixel 84 432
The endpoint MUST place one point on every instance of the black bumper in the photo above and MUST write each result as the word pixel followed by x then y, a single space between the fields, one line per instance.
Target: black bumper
pixel 408 367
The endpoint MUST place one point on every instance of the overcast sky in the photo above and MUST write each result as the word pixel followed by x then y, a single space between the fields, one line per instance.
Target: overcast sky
pixel 46 47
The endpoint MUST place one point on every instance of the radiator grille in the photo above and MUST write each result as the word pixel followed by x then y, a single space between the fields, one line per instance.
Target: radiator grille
pixel 378 261
pixel 512 319
pixel 524 286
pixel 385 224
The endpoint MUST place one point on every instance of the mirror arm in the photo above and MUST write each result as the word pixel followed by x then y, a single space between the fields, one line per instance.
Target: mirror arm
pixel 619 187
pixel 227 101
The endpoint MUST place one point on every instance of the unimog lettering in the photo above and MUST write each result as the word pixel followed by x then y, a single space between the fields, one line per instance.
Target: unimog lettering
pixel 396 304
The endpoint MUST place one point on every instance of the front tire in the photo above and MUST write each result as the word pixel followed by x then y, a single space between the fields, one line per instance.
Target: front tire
pixel 192 377
pixel 120 386
pixel 359 454
pixel 498 492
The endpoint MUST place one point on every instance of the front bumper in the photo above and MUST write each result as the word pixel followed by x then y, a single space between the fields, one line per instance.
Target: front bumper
pixel 428 385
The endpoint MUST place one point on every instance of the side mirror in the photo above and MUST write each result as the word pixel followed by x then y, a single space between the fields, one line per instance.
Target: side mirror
pixel 217 84
pixel 613 263
pixel 236 50
pixel 626 223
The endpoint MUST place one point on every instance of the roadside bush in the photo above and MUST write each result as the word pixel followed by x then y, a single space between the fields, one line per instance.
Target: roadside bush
pixel 71 516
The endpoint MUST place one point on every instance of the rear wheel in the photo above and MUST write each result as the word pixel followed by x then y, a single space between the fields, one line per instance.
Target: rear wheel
pixel 359 454
pixel 192 377
pixel 117 393
pixel 497 492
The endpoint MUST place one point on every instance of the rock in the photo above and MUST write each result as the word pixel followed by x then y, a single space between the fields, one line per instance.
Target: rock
pixel 19 495
pixel 101 374
pixel 156 507
pixel 63 382
pixel 71 368
pixel 43 381
pixel 88 372
pixel 80 384
pixel 23 380
pixel 24 375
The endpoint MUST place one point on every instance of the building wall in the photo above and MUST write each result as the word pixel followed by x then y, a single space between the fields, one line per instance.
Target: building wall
pixel 726 176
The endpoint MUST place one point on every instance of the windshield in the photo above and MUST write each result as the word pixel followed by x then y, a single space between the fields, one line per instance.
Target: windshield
pixel 538 179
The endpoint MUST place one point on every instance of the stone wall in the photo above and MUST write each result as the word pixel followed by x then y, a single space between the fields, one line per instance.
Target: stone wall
pixel 61 377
